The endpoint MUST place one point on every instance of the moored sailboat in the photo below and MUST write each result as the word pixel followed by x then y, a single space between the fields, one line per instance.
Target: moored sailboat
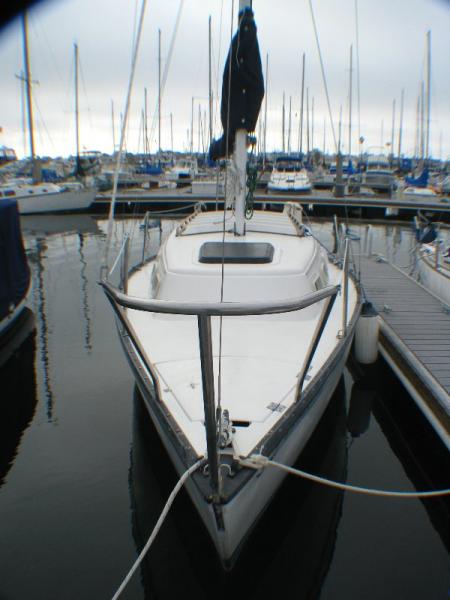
pixel 35 197
pixel 238 331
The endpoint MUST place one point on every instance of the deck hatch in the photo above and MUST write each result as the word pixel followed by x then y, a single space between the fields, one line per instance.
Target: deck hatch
pixel 236 252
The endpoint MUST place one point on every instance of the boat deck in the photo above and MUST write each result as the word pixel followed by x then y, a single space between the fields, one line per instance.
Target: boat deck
pixel 415 337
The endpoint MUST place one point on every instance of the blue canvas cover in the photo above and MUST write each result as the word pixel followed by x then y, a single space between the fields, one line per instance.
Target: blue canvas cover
pixel 14 270
pixel 420 182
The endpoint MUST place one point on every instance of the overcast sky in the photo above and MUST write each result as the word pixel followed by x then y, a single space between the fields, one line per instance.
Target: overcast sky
pixel 392 57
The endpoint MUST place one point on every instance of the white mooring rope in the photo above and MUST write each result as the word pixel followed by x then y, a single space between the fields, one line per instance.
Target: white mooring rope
pixel 158 525
pixel 258 461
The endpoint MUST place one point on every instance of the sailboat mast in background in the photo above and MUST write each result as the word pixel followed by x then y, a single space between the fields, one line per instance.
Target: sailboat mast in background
pixel 210 84
pixel 28 90
pixel 77 132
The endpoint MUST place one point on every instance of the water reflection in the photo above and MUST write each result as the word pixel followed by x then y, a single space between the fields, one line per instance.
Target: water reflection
pixel 44 225
pixel 424 458
pixel 42 317
pixel 290 550
pixel 44 235
pixel 84 295
pixel 18 385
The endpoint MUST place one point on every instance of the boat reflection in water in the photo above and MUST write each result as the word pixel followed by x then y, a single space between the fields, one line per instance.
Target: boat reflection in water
pixel 18 384
pixel 290 549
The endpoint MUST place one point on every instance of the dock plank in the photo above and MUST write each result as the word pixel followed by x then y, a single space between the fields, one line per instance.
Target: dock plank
pixel 416 317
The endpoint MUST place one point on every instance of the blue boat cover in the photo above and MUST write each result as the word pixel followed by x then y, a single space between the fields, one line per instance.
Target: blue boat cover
pixel 420 182
pixel 14 270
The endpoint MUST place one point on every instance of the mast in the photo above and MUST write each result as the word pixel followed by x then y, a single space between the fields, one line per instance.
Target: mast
pixel 145 123
pixel 265 107
pixel 192 126
pixel 422 118
pixel 350 107
pixel 77 131
pixel 113 128
pixel 307 123
pixel 358 87
pixel 283 125
pixel 393 129
pixel 159 91
pixel 289 126
pixel 22 106
pixel 312 124
pixel 427 140
pixel 199 125
pixel 28 89
pixel 417 136
pixel 300 131
pixel 400 124
pixel 210 83
pixel 171 134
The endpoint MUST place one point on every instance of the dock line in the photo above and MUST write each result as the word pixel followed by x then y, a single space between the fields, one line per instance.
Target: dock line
pixel 158 525
pixel 258 461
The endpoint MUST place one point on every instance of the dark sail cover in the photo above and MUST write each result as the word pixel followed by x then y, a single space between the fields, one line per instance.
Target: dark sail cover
pixel 244 86
pixel 14 270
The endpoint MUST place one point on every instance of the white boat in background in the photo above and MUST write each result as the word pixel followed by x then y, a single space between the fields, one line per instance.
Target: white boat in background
pixel 289 175
pixel 39 198
pixel 183 171
pixel 418 193
pixel 237 333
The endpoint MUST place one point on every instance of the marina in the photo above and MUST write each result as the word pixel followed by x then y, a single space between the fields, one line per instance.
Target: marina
pixel 224 359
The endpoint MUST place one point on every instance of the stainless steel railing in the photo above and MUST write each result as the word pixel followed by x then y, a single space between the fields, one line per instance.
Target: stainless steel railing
pixel 204 311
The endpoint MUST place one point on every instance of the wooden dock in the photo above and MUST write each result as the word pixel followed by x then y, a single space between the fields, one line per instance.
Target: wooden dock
pixel 414 337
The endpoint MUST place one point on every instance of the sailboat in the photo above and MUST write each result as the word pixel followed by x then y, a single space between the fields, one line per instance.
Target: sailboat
pixel 238 331
pixel 38 197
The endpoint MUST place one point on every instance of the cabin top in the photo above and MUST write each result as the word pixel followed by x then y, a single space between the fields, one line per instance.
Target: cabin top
pixel 275 259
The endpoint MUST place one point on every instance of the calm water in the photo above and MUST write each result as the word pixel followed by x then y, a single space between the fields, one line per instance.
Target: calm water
pixel 83 476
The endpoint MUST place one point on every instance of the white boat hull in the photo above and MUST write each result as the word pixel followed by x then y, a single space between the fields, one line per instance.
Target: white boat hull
pixel 241 513
pixel 289 187
pixel 64 201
